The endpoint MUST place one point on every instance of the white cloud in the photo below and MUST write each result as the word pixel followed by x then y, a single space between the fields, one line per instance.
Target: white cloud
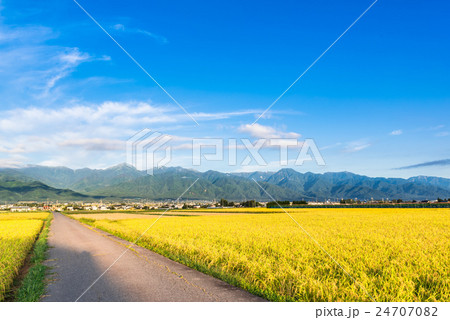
pixel 221 115
pixel 31 68
pixel 119 26
pixel 13 150
pixel 437 127
pixel 331 146
pixel 94 144
pixel 111 115
pixel 86 134
pixel 154 36
pixel 396 132
pixel 259 131
pixel 74 57
pixel 63 65
pixel 10 163
pixel 356 146
pixel 29 34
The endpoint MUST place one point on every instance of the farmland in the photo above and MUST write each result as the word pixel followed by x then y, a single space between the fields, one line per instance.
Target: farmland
pixel 393 254
pixel 18 232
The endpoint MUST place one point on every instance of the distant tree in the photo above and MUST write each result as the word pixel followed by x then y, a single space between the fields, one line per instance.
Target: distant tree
pixel 250 204
pixel 440 200
pixel 277 204
pixel 224 203
pixel 272 204
pixel 300 202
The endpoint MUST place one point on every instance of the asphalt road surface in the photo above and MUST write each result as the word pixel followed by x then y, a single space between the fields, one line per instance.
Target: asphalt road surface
pixel 78 255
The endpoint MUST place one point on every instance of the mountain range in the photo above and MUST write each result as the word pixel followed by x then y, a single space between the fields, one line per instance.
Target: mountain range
pixel 124 181
pixel 17 187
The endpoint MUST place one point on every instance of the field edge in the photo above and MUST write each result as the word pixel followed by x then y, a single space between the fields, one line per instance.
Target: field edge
pixel 32 286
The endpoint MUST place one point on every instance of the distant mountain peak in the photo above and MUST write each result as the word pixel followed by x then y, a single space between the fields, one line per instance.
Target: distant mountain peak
pixel 121 166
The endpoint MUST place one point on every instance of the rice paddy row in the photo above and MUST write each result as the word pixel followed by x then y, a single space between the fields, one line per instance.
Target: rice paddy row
pixel 18 233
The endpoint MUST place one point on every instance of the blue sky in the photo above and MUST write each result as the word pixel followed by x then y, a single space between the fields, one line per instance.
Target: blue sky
pixel 376 101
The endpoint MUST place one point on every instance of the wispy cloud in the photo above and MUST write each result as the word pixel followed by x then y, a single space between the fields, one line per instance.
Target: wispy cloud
pixel 221 115
pixel 64 64
pixel 154 36
pixel 331 146
pixel 259 131
pixel 26 35
pixel 356 146
pixel 437 127
pixel 31 68
pixel 436 163
pixel 10 163
pixel 94 144
pixel 349 147
pixel 396 132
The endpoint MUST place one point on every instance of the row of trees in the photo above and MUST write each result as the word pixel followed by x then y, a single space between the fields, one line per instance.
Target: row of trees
pixel 353 201
pixel 245 204
pixel 226 203
pixel 277 204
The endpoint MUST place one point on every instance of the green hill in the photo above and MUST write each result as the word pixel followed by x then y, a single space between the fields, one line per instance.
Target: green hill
pixel 15 187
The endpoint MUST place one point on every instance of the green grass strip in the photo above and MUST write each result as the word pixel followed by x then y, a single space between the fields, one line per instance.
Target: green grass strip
pixel 33 285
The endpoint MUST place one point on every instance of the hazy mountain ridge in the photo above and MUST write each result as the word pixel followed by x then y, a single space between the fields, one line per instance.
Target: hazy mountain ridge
pixel 15 187
pixel 350 185
pixel 81 180
pixel 124 181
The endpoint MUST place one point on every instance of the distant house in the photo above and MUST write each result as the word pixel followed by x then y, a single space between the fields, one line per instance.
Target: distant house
pixel 20 209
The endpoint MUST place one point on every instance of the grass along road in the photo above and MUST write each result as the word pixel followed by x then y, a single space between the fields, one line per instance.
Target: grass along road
pixel 18 233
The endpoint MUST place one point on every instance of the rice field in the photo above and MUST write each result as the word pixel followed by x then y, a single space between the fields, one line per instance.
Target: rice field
pixel 23 215
pixel 18 232
pixel 393 254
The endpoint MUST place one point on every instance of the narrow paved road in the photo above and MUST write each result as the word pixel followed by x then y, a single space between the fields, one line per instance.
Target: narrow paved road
pixel 78 255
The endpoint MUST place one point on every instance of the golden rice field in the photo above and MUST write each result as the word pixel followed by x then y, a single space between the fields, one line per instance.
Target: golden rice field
pixel 23 215
pixel 394 254
pixel 145 215
pixel 18 232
